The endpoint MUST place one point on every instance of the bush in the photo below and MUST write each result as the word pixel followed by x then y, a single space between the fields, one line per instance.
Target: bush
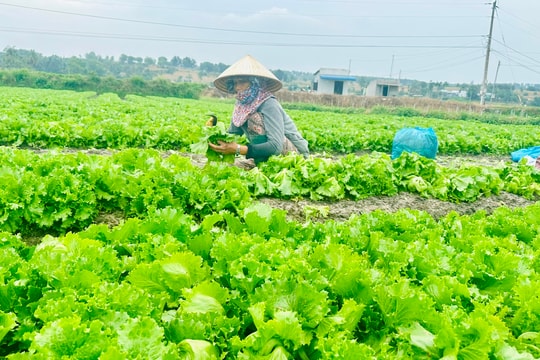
pixel 121 87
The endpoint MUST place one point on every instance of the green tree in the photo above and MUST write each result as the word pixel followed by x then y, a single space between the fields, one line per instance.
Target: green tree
pixel 207 67
pixel 162 61
pixel 176 61
pixel 281 75
pixel 188 63
pixel 74 65
pixel 11 58
pixel 53 64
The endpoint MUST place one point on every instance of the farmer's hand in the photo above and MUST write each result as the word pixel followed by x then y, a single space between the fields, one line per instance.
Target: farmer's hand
pixel 224 147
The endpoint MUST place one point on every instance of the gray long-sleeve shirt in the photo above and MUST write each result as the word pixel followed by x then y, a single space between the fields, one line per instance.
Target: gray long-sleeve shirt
pixel 278 126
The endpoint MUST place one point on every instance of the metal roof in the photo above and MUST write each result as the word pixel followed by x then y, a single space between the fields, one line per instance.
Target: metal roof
pixel 338 77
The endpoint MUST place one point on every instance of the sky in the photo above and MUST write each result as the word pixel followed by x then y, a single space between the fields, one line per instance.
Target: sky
pixel 427 40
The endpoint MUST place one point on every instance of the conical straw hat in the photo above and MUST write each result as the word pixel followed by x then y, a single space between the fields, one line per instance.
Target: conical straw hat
pixel 248 66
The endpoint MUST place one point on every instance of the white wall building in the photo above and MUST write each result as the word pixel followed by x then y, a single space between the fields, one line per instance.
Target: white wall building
pixel 383 87
pixel 332 81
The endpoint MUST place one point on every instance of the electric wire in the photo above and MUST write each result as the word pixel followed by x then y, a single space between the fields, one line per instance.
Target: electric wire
pixel 226 42
pixel 232 30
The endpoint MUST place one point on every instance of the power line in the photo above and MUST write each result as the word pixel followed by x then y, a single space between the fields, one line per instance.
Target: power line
pixel 520 53
pixel 214 11
pixel 440 66
pixel 453 2
pixel 523 66
pixel 520 64
pixel 235 30
pixel 222 42
pixel 522 21
pixel 288 39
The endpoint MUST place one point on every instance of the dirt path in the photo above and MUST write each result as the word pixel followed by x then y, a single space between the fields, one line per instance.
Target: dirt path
pixel 342 210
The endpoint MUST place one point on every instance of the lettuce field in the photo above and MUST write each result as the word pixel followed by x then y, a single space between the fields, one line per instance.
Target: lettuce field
pixel 119 239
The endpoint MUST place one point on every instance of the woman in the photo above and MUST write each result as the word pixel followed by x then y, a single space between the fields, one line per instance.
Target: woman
pixel 257 114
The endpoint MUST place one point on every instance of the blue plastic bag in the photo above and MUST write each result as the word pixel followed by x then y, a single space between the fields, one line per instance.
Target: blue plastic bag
pixel 422 141
pixel 533 151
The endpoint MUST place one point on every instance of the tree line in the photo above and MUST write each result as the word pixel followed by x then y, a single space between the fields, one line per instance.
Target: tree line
pixel 107 84
pixel 142 75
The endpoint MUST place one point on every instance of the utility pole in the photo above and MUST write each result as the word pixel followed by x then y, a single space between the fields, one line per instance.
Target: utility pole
pixel 483 89
pixel 495 81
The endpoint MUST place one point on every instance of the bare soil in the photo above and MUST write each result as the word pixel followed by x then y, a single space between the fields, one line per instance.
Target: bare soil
pixel 342 210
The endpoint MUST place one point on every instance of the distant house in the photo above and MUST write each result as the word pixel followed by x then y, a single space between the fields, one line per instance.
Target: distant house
pixel 383 87
pixel 451 92
pixel 332 81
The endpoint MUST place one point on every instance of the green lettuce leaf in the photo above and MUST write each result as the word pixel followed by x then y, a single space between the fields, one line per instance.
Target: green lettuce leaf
pixel 191 349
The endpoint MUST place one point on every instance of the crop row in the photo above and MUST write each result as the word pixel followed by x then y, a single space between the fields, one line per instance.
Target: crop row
pixel 57 192
pixel 255 286
pixel 48 119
